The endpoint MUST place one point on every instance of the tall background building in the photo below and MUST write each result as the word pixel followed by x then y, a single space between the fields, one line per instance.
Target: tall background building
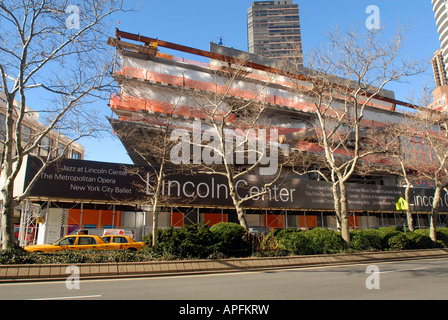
pixel 440 60
pixel 273 29
pixel 438 67
pixel 440 8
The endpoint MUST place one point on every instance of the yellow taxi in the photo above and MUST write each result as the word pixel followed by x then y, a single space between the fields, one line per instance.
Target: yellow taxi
pixel 71 242
pixel 122 242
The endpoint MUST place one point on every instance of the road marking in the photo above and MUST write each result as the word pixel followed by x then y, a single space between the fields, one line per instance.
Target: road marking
pixel 73 297
pixel 402 270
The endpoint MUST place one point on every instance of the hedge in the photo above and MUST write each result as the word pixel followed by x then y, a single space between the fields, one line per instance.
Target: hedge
pixel 231 240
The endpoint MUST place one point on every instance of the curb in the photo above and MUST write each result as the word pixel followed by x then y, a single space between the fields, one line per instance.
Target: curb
pixel 45 272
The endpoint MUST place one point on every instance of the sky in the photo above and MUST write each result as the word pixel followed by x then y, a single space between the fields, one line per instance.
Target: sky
pixel 196 23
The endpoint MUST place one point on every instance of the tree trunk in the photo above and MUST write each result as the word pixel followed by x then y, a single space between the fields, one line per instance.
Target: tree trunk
pixel 237 203
pixel 337 207
pixel 433 215
pixel 241 216
pixel 7 212
pixel 345 231
pixel 408 212
pixel 6 184
pixel 155 223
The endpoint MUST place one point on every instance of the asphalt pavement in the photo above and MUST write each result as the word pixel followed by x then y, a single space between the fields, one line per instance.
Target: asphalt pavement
pixel 399 280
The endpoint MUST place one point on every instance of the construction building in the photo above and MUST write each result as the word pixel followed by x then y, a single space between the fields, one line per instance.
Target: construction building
pixel 161 91
pixel 156 88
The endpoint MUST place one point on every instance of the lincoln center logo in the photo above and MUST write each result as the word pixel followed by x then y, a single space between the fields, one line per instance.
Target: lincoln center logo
pixel 204 145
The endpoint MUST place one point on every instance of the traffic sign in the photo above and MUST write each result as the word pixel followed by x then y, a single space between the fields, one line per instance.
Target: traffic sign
pixel 402 204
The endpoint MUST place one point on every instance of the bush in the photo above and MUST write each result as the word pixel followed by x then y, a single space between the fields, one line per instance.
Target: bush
pixel 385 233
pixel 297 243
pixel 418 240
pixel 359 243
pixel 232 239
pixel 316 241
pixel 442 236
pixel 16 256
pixel 195 241
pixel 398 242
pixel 19 256
pixel 326 241
pixel 365 240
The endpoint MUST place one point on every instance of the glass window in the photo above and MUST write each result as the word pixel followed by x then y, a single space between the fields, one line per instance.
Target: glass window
pixel 76 155
pixel 26 134
pixel 67 241
pixel 60 149
pixel 2 125
pixel 86 241
pixel 44 147
pixel 106 239
pixel 120 240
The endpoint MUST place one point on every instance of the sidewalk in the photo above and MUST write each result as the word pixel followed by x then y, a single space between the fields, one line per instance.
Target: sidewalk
pixel 33 272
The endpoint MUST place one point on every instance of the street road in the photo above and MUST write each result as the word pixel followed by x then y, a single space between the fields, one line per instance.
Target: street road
pixel 417 279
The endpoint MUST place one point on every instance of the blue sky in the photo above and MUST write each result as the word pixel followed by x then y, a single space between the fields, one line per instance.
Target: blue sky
pixel 196 23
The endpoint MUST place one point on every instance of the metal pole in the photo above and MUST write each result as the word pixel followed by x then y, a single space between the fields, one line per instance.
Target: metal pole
pixel 22 223
pixel 80 217
pixel 1 228
pixel 113 217
pixel 46 220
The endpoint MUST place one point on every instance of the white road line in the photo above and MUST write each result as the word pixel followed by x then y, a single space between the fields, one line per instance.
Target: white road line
pixel 402 270
pixel 73 297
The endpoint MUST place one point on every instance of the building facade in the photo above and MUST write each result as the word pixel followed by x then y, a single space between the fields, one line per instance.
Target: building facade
pixel 53 143
pixel 440 8
pixel 156 89
pixel 273 29
pixel 440 60
pixel 439 69
pixel 162 91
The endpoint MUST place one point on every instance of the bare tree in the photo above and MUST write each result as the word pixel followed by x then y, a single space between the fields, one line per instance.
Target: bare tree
pixel 55 51
pixel 149 139
pixel 402 162
pixel 233 137
pixel 430 131
pixel 344 79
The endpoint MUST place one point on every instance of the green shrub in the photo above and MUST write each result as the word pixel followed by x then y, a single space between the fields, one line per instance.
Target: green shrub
pixel 385 233
pixel 296 243
pixel 398 242
pixel 232 239
pixel 16 256
pixel 358 242
pixel 365 240
pixel 326 241
pixel 73 257
pixel 418 241
pixel 316 241
pixel 195 241
pixel 442 237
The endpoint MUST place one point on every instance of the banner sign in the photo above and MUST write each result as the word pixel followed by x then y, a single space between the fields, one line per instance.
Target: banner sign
pixel 122 183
